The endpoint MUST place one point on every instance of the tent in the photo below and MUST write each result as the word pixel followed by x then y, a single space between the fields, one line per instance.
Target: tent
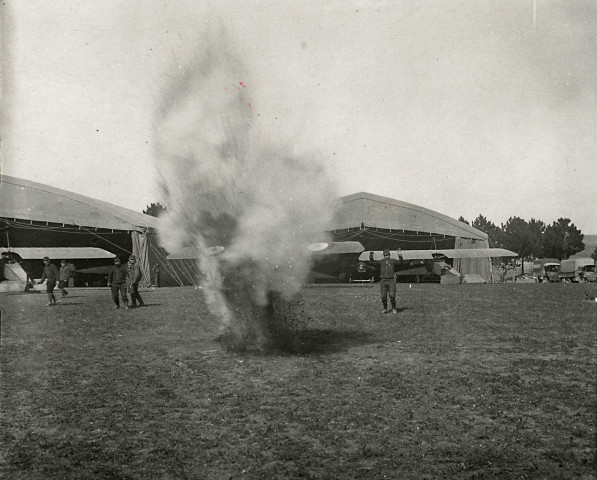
pixel 34 215
pixel 381 222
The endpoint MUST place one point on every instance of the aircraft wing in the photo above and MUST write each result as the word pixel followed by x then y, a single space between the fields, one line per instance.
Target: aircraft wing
pixel 434 254
pixel 477 252
pixel 335 248
pixel 328 259
pixel 352 248
pixel 322 248
pixel 59 253
pixel 192 253
pixel 350 258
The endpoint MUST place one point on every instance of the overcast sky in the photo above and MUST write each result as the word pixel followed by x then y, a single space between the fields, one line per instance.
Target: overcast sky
pixel 464 107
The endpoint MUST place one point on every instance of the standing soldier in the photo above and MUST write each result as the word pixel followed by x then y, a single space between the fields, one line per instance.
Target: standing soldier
pixel 387 281
pixel 71 278
pixel 2 263
pixel 117 282
pixel 134 277
pixel 156 275
pixel 65 274
pixel 50 274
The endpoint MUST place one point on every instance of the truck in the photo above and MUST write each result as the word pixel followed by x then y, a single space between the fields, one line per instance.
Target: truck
pixel 546 270
pixel 578 270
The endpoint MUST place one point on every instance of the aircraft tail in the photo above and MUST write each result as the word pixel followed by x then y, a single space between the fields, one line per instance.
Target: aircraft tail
pixel 14 272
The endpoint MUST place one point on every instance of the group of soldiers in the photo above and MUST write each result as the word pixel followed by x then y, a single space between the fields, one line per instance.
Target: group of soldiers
pixel 53 275
pixel 121 279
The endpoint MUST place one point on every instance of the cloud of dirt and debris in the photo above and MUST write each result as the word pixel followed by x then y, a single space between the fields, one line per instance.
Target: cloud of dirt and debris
pixel 227 183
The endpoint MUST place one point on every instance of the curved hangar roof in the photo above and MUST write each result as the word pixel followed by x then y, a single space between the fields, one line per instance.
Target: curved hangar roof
pixel 373 211
pixel 34 201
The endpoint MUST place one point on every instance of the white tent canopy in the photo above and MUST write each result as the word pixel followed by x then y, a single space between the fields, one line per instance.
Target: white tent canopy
pixel 58 253
pixel 367 210
pixel 26 200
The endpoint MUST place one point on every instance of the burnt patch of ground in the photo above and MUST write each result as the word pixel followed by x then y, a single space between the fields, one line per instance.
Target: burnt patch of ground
pixel 321 341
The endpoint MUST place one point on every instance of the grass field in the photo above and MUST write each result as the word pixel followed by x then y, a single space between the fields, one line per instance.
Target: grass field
pixel 467 381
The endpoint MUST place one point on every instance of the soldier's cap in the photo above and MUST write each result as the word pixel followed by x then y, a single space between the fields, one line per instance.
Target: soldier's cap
pixel 116 260
pixel 132 257
pixel 46 258
pixel 386 252
pixel 62 261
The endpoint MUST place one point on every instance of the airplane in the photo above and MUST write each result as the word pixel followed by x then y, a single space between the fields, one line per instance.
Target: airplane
pixel 349 261
pixel 340 260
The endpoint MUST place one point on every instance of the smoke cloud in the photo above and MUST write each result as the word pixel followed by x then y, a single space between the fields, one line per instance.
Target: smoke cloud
pixel 227 183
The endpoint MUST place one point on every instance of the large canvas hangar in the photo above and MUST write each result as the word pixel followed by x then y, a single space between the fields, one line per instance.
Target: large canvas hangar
pixel 381 222
pixel 34 215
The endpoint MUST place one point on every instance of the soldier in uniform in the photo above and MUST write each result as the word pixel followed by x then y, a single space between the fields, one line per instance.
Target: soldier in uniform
pixel 134 277
pixel 387 282
pixel 50 274
pixel 66 272
pixel 117 280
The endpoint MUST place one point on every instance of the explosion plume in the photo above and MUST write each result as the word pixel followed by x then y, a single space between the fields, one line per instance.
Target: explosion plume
pixel 227 183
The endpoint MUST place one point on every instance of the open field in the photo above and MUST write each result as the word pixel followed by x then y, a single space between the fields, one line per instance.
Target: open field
pixel 467 381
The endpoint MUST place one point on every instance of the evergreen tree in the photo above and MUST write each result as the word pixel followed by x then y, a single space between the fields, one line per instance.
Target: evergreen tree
pixel 522 237
pixel 154 209
pixel 562 239
pixel 495 235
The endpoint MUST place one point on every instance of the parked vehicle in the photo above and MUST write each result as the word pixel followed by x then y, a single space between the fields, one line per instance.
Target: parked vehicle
pixel 578 270
pixel 546 270
pixel 363 273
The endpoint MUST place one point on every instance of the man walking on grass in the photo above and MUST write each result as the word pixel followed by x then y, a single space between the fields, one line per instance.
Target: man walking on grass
pixel 117 282
pixel 65 273
pixel 134 277
pixel 387 282
pixel 50 274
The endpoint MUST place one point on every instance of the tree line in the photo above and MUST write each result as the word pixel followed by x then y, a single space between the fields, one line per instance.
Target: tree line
pixel 533 239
